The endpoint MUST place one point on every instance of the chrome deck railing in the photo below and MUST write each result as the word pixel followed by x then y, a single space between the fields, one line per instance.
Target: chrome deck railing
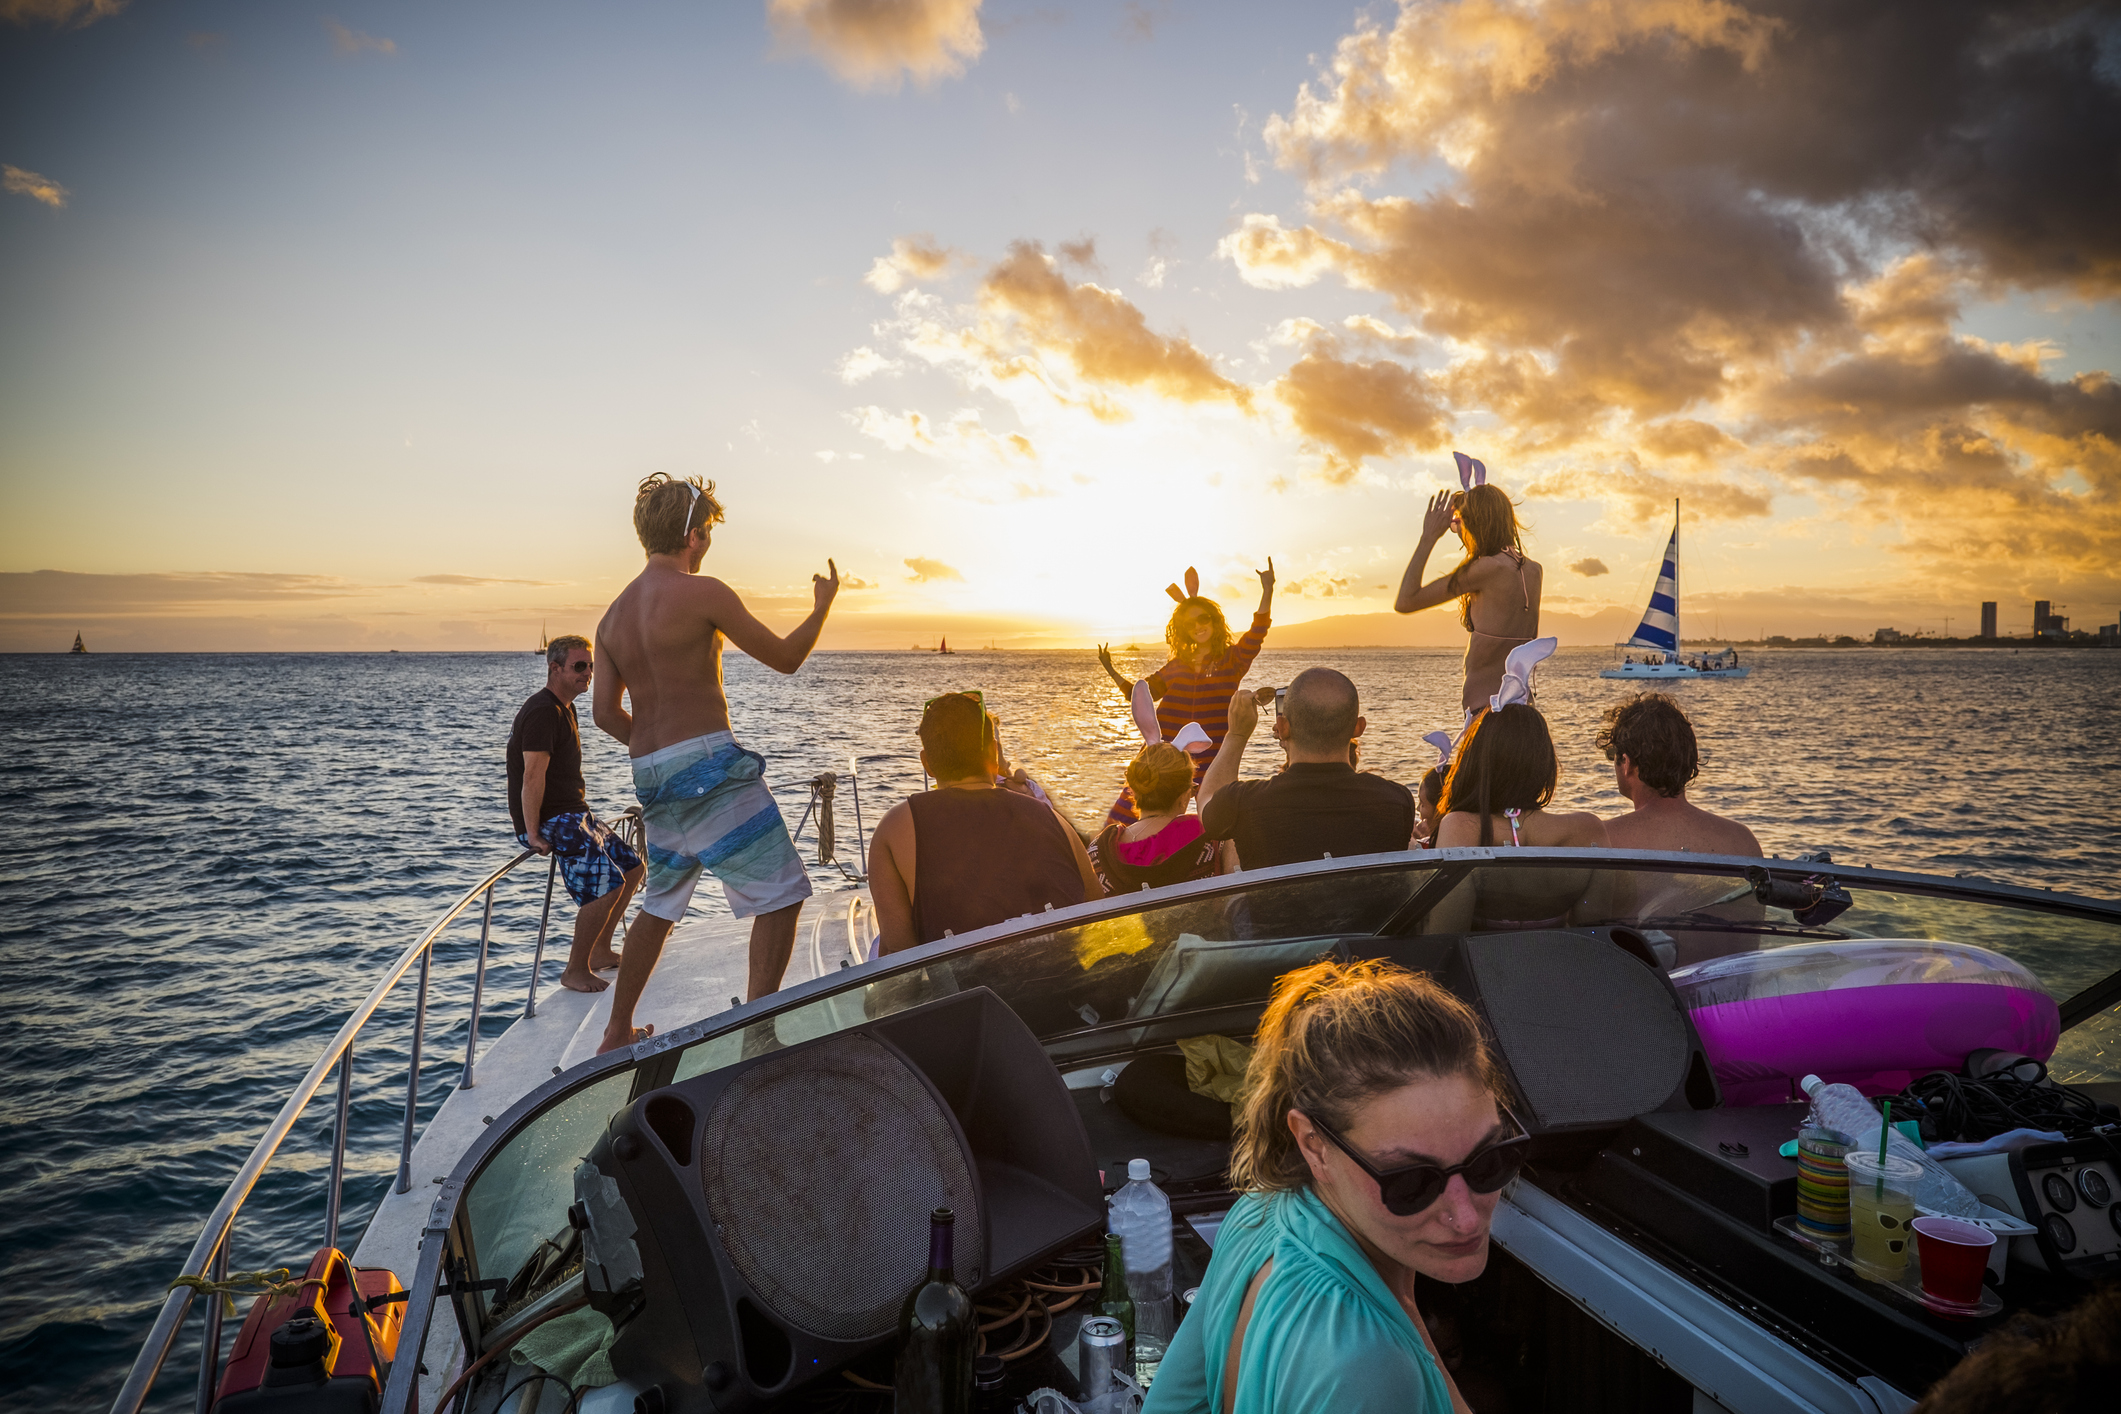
pixel 209 1255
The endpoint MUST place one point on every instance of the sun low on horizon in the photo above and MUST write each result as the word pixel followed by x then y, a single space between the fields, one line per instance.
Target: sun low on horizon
pixel 356 329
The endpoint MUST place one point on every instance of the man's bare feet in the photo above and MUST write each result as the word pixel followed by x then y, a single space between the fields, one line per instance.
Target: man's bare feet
pixel 584 981
pixel 624 1038
pixel 602 959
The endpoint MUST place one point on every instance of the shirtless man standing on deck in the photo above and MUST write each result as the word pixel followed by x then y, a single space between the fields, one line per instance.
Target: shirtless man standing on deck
pixel 702 796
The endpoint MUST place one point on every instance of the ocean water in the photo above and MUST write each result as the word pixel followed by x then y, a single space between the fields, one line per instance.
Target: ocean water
pixel 208 858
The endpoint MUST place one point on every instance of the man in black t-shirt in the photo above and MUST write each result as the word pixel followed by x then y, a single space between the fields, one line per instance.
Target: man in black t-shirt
pixel 1319 805
pixel 548 801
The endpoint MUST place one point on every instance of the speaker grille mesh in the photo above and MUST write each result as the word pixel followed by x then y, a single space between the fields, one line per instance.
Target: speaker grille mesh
pixel 1589 1034
pixel 820 1174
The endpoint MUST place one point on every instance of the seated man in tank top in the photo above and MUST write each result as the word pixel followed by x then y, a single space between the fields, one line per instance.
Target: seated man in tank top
pixel 969 853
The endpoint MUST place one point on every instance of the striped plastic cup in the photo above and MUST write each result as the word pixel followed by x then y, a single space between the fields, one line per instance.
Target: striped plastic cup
pixel 1823 1185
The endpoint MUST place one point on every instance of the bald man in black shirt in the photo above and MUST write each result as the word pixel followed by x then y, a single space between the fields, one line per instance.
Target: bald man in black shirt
pixel 1320 806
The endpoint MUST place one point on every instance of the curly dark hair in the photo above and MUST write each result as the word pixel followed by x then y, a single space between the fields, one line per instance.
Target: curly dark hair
pixel 2036 1365
pixel 1218 641
pixel 1651 731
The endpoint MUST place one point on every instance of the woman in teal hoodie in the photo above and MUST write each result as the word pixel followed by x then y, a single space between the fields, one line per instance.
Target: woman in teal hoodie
pixel 1373 1146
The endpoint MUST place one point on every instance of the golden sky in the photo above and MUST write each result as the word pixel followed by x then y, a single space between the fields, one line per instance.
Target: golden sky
pixel 356 332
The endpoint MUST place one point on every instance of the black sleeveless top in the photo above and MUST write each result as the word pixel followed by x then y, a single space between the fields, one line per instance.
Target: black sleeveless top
pixel 981 857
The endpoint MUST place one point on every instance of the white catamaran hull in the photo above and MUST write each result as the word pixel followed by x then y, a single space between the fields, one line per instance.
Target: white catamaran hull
pixel 1668 671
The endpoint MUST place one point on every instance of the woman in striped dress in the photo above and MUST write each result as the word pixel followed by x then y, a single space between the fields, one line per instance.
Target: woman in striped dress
pixel 1205 668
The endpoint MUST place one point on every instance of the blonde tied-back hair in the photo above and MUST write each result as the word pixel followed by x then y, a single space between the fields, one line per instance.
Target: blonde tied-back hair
pixel 1490 521
pixel 1338 1034
pixel 1158 775
pixel 665 512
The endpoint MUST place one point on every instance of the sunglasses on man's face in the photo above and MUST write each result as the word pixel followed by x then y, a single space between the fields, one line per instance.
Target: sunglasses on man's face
pixel 581 666
pixel 1413 1188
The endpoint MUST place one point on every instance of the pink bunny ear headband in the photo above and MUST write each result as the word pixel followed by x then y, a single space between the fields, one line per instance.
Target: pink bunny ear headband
pixel 1471 472
pixel 1192 586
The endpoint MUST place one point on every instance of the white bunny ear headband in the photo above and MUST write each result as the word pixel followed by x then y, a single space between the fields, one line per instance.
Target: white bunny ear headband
pixel 1443 744
pixel 1517 672
pixel 1471 472
pixel 1190 738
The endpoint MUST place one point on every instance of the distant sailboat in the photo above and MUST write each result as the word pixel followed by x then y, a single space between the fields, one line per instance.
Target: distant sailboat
pixel 543 642
pixel 943 646
pixel 1653 651
pixel 79 646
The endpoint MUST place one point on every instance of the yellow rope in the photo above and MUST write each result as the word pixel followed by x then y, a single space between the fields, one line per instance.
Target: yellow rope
pixel 280 1281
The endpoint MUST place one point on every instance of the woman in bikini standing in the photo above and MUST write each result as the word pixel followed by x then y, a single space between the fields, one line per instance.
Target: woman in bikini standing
pixel 1496 585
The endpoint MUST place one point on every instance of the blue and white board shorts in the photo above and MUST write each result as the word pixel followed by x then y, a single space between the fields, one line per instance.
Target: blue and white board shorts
pixel 593 859
pixel 706 807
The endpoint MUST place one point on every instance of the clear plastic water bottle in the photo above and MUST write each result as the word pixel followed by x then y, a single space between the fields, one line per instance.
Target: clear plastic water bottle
pixel 1845 1108
pixel 1141 1220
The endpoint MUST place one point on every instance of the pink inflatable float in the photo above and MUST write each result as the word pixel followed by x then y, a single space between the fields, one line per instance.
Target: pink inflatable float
pixel 1869 1012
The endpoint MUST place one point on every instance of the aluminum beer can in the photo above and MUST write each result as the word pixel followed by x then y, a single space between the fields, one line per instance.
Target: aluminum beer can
pixel 1100 1352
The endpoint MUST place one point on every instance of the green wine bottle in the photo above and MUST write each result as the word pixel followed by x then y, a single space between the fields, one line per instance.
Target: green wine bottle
pixel 1112 1297
pixel 938 1334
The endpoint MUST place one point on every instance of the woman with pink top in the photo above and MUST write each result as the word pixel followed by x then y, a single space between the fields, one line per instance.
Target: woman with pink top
pixel 1165 845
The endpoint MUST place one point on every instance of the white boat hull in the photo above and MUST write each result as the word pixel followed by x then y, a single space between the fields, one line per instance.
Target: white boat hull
pixel 1669 671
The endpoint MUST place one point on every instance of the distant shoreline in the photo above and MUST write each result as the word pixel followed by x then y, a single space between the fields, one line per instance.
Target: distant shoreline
pixel 1707 645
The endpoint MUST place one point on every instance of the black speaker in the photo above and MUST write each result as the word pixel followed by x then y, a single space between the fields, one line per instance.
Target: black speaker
pixel 1586 1024
pixel 755 1227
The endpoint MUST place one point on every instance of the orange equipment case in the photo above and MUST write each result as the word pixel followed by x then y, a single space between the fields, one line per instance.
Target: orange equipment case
pixel 331 1302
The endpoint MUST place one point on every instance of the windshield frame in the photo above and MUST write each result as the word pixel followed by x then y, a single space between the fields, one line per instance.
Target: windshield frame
pixel 654 1059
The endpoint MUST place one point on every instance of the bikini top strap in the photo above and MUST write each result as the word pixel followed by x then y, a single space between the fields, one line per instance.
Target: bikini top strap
pixel 1511 815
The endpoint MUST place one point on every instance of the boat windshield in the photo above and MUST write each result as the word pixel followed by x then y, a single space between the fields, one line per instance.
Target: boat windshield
pixel 1205 960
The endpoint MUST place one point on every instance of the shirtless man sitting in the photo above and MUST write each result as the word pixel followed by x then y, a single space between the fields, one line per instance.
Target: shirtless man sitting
pixel 1651 745
pixel 702 796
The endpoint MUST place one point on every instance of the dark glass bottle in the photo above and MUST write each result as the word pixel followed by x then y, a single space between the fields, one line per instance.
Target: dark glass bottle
pixel 1112 1297
pixel 938 1334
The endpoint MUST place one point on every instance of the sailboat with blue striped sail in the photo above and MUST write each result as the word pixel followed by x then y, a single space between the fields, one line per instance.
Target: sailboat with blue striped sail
pixel 1654 651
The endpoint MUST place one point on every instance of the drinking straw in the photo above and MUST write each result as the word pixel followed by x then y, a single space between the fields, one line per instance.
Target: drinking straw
pixel 1885 1131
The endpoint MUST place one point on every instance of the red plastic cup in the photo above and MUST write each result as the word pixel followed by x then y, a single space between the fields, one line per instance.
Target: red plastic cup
pixel 1954 1255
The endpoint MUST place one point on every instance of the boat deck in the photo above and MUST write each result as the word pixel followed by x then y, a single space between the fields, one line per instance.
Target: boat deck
pixel 702 969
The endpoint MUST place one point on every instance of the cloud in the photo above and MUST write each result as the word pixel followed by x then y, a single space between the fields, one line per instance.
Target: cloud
pixel 1590 568
pixel 862 363
pixel 1274 259
pixel 1349 411
pixel 916 432
pixel 36 187
pixel 59 13
pixel 62 592
pixel 1718 250
pixel 931 571
pixel 470 581
pixel 1103 336
pixel 876 44
pixel 1081 254
pixel 850 580
pixel 351 41
pixel 1138 21
pixel 912 258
